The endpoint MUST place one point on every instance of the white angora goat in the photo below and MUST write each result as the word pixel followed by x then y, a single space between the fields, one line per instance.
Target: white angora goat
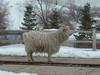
pixel 44 42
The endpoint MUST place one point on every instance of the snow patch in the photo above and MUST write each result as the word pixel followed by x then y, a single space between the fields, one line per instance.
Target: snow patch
pixel 11 73
pixel 19 50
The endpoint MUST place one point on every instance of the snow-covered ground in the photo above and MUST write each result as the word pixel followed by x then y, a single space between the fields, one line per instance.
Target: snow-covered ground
pixel 19 50
pixel 11 73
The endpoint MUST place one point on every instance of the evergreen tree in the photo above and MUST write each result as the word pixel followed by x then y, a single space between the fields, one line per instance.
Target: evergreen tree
pixel 29 18
pixel 53 20
pixel 86 23
pixel 3 15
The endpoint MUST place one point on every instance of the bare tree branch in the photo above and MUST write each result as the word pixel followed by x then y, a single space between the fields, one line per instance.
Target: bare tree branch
pixel 41 8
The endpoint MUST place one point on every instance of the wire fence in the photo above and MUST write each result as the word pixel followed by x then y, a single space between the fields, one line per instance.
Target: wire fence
pixel 15 37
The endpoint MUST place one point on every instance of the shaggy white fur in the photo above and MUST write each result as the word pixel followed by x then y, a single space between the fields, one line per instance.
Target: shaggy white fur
pixel 44 42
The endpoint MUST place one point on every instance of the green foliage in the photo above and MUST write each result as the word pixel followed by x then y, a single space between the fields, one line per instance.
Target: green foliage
pixel 53 20
pixel 86 23
pixel 3 15
pixel 29 18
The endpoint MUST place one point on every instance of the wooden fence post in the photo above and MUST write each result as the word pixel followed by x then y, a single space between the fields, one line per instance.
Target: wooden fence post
pixel 94 39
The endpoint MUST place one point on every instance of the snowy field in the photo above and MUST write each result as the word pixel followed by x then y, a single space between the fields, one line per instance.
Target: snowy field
pixel 19 50
pixel 11 73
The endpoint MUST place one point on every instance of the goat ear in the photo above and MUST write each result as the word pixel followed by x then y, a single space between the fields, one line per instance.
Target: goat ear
pixel 61 25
